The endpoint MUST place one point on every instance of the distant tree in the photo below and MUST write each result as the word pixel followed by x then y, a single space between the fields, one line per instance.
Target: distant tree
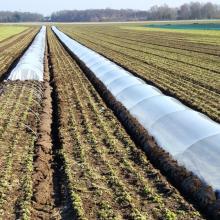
pixel 209 10
pixel 7 16
pixel 17 17
pixel 99 15
pixel 195 9
pixel 184 12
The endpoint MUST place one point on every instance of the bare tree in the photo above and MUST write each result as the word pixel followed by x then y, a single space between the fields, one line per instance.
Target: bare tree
pixel 209 10
pixel 195 8
pixel 7 16
pixel 184 12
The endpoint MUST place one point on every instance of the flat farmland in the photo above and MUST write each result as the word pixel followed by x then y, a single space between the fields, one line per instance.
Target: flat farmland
pixel 70 150
pixel 9 31
pixel 183 65
pixel 108 176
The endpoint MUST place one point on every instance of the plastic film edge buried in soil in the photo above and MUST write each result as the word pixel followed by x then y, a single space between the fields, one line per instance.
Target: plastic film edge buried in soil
pixel 189 136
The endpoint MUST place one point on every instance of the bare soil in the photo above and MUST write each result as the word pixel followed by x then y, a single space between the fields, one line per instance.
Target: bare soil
pixel 43 196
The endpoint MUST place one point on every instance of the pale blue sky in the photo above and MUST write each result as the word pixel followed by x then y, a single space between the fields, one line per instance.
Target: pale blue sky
pixel 48 6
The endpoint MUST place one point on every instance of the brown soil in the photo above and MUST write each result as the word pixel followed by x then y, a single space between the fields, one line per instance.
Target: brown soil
pixel 43 196
pixel 18 124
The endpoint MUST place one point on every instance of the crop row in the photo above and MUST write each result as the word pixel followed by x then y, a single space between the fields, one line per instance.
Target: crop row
pixel 108 177
pixel 20 104
pixel 12 48
pixel 193 42
pixel 160 43
pixel 194 89
pixel 155 47
pixel 183 66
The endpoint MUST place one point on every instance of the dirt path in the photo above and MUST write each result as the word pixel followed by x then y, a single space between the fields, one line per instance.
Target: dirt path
pixel 43 202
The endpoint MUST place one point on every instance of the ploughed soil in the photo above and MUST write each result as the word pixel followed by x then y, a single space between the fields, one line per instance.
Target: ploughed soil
pixel 43 202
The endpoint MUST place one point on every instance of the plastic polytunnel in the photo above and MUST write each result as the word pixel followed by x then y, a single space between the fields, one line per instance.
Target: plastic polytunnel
pixel 190 137
pixel 31 64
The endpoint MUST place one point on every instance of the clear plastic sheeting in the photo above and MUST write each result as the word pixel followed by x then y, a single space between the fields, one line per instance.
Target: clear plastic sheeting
pixel 110 77
pixel 203 159
pixel 31 64
pixel 184 128
pixel 98 66
pixel 190 137
pixel 136 93
pixel 150 110
pixel 122 83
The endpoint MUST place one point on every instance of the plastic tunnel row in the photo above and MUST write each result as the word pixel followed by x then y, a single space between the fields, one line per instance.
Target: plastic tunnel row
pixel 31 64
pixel 190 137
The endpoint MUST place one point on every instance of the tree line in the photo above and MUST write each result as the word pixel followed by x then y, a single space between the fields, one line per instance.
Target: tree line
pixel 193 10
pixel 7 16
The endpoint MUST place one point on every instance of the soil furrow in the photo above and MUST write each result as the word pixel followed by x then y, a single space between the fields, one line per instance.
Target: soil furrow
pixel 43 201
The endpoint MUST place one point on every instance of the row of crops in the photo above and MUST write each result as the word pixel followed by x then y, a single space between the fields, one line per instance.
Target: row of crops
pixel 64 153
pixel 184 66
pixel 20 105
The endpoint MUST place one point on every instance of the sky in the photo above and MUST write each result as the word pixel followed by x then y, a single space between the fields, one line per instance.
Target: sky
pixel 46 7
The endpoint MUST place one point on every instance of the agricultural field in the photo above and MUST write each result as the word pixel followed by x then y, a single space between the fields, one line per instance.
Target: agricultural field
pixel 183 65
pixel 108 176
pixel 9 31
pixel 65 153
pixel 20 105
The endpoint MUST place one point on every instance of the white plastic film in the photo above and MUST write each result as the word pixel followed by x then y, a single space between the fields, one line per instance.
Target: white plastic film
pixel 31 64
